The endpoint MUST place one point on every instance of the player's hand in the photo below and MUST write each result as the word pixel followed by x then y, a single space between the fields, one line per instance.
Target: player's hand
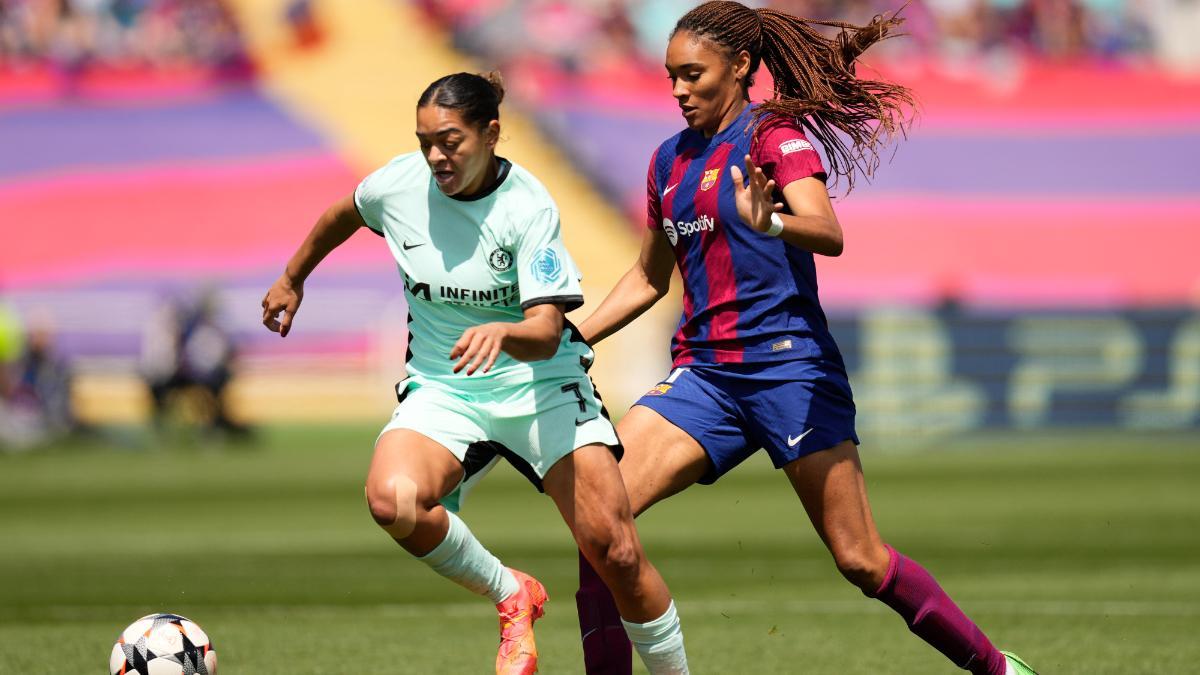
pixel 283 296
pixel 479 346
pixel 754 200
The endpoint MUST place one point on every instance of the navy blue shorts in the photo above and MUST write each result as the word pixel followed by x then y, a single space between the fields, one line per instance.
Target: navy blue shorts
pixel 790 409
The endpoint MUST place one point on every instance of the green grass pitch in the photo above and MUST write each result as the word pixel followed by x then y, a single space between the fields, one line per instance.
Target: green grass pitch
pixel 1080 552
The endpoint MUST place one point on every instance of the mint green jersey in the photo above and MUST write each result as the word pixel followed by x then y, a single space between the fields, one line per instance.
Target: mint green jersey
pixel 470 261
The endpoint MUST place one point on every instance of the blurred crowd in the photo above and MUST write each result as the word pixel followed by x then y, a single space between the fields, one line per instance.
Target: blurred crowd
pixel 187 360
pixel 608 35
pixel 81 34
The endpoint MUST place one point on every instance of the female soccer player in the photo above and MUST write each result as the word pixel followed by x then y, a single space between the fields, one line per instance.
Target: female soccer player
pixel 754 363
pixel 493 369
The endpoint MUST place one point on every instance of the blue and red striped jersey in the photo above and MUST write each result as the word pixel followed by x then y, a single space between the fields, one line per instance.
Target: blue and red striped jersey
pixel 748 297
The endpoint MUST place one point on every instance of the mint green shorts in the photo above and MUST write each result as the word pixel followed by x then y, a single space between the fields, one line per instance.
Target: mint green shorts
pixel 531 425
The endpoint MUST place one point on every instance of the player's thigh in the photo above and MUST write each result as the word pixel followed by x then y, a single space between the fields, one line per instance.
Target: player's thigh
pixel 425 449
pixel 410 467
pixel 832 488
pixel 586 487
pixel 660 459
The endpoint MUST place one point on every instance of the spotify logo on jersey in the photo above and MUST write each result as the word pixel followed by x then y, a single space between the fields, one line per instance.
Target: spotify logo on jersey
pixel 676 230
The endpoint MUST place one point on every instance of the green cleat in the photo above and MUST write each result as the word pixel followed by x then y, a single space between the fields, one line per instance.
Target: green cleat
pixel 1017 665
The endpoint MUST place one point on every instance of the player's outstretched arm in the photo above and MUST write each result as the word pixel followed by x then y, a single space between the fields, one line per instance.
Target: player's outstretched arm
pixel 643 285
pixel 332 229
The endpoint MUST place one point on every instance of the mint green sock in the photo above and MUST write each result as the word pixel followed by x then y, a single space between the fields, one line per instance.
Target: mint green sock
pixel 462 559
pixel 660 643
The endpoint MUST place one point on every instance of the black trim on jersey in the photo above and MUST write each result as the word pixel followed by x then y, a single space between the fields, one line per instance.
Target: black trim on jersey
pixel 577 336
pixel 477 457
pixel 408 355
pixel 618 450
pixel 501 175
pixel 496 448
pixel 517 462
pixel 354 200
pixel 570 302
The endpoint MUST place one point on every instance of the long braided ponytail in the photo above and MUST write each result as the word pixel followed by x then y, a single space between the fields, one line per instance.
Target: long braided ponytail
pixel 851 117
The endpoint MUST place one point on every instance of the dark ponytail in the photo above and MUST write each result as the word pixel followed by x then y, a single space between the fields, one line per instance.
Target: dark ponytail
pixel 476 97
pixel 853 118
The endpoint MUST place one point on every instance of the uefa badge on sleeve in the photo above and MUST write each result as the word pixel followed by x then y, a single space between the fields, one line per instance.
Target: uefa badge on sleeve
pixel 546 266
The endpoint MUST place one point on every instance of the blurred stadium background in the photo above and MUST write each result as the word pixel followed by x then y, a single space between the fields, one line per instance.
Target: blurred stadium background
pixel 1027 258
pixel 1021 280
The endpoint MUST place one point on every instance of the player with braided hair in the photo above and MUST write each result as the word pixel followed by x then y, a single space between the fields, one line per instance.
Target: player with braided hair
pixel 738 202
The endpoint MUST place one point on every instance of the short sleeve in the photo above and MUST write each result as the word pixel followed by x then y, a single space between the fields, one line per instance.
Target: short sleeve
pixel 545 271
pixel 784 153
pixel 368 199
pixel 653 200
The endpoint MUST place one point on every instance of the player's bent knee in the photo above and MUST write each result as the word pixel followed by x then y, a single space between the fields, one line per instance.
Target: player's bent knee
pixel 393 504
pixel 864 566
pixel 618 553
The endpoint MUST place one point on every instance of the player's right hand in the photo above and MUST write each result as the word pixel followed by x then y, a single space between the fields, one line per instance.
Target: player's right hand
pixel 756 200
pixel 283 296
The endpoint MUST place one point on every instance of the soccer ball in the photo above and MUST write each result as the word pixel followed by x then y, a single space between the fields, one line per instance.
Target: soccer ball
pixel 163 644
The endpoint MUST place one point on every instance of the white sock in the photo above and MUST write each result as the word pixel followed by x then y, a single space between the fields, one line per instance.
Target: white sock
pixel 660 643
pixel 462 559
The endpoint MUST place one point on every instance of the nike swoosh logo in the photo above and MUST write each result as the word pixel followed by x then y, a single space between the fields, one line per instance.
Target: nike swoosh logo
pixel 669 188
pixel 793 441
pixel 407 247
pixel 580 423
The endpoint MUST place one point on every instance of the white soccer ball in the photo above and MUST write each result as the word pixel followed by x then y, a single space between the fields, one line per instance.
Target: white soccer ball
pixel 163 644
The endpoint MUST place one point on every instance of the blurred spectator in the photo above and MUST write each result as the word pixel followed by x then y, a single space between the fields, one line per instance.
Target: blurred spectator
pixel 75 35
pixel 44 380
pixel 188 361
pixel 35 385
pixel 12 343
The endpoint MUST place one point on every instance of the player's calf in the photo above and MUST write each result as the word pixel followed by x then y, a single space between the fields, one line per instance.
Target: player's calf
pixel 606 647
pixel 916 596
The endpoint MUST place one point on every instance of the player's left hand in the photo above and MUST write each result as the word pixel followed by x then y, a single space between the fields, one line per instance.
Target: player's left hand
pixel 754 201
pixel 479 345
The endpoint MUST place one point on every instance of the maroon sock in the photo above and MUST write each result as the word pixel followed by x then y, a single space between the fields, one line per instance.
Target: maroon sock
pixel 606 647
pixel 932 616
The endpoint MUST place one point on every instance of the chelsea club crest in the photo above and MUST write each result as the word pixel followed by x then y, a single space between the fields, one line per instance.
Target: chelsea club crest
pixel 500 260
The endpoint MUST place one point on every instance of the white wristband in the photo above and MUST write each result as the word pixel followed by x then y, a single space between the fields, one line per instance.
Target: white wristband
pixel 776 226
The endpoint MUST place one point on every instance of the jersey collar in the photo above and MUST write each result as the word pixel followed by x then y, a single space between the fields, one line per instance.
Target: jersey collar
pixel 505 166
pixel 739 125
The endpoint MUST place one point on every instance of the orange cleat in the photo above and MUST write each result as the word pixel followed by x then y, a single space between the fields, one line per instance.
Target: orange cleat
pixel 518 652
